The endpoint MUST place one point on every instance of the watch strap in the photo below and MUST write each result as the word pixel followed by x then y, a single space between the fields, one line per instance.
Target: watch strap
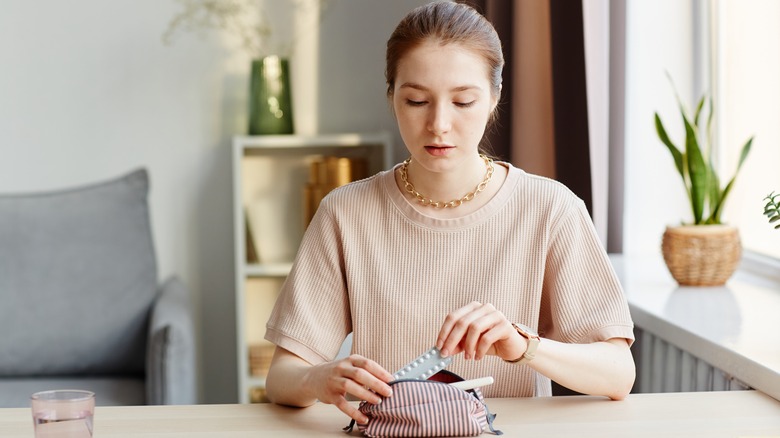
pixel 530 351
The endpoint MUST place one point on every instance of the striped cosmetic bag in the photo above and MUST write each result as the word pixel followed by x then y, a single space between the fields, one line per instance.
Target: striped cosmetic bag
pixel 427 408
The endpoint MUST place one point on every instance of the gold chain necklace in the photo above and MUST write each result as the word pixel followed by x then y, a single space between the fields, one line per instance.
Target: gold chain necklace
pixel 455 202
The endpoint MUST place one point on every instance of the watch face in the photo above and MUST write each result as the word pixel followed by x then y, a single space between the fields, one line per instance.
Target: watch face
pixel 527 329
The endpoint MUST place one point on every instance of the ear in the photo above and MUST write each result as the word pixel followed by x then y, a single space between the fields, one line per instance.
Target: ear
pixel 494 100
pixel 497 97
pixel 391 104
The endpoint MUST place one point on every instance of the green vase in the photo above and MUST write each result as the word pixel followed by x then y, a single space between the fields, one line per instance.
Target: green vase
pixel 270 106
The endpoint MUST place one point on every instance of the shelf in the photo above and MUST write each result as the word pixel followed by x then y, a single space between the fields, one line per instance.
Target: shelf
pixel 268 269
pixel 270 175
pixel 286 142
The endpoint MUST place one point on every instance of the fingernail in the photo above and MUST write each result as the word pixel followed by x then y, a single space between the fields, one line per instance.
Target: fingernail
pixel 389 393
pixel 445 353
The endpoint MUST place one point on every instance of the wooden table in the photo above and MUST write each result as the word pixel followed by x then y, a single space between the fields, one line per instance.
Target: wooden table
pixel 702 414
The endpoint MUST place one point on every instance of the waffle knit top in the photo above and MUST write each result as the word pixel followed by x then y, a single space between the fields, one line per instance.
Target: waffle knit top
pixel 373 265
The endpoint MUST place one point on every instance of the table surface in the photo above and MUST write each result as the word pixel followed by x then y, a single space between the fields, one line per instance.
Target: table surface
pixel 701 414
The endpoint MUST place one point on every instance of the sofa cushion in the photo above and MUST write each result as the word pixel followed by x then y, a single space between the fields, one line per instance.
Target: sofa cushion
pixel 77 279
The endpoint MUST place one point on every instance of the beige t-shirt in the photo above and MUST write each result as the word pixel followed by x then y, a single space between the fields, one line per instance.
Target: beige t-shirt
pixel 371 264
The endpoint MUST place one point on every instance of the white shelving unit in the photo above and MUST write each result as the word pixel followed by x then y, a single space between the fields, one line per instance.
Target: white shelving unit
pixel 269 175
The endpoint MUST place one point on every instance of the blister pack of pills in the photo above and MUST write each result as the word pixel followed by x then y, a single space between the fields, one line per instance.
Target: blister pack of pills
pixel 424 366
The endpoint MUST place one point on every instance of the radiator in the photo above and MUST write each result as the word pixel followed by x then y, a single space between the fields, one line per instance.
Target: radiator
pixel 662 367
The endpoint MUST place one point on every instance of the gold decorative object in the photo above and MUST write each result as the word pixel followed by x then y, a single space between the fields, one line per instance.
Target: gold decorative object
pixel 327 173
pixel 257 394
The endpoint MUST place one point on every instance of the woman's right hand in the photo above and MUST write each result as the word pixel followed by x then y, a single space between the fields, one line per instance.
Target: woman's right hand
pixel 355 375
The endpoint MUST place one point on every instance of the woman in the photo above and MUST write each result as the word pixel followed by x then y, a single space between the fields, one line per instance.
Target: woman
pixel 449 249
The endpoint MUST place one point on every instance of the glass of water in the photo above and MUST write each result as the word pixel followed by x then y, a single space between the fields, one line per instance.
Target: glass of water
pixel 63 413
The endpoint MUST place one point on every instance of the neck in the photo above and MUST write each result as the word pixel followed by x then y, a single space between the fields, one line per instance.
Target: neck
pixel 450 185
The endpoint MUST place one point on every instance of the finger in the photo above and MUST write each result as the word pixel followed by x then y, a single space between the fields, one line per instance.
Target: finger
pixel 360 371
pixel 338 386
pixel 451 319
pixel 456 351
pixel 351 410
pixel 467 330
pixel 456 337
pixel 485 318
pixel 449 324
pixel 372 367
pixel 488 340
pixel 361 392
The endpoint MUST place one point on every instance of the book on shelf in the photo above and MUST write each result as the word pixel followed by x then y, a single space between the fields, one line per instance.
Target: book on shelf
pixel 251 250
pixel 260 356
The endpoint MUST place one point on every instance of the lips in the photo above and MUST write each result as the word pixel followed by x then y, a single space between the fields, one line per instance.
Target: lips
pixel 439 151
pixel 439 145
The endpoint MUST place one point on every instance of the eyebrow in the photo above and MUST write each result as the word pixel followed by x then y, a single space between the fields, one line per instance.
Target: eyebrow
pixel 424 88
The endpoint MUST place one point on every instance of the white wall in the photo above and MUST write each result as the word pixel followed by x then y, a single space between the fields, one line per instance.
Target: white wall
pixel 596 30
pixel 88 92
pixel 659 38
pixel 352 94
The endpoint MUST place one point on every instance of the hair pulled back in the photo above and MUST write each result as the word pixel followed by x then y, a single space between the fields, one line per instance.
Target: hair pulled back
pixel 446 23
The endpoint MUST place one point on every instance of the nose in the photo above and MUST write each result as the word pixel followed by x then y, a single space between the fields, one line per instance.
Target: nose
pixel 440 120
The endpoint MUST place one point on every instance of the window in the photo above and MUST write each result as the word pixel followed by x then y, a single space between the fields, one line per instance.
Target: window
pixel 745 42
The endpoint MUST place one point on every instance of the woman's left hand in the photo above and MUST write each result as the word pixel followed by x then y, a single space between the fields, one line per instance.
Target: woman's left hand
pixel 478 330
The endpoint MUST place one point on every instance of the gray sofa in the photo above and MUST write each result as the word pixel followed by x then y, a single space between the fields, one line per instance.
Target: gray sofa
pixel 80 302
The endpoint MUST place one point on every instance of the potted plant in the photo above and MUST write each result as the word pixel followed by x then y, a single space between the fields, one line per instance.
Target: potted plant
pixel 704 252
pixel 772 209
pixel 247 21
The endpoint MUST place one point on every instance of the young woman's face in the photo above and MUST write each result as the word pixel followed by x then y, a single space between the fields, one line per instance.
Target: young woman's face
pixel 442 102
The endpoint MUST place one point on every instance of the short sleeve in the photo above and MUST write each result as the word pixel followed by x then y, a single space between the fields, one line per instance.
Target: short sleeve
pixel 582 300
pixel 311 317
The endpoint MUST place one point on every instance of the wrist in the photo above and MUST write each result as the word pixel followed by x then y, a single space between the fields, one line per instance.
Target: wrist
pixel 309 379
pixel 531 338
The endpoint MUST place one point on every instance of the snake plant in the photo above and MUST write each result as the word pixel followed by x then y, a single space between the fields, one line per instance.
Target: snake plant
pixel 695 165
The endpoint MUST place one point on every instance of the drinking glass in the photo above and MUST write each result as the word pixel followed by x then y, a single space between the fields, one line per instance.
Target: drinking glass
pixel 63 413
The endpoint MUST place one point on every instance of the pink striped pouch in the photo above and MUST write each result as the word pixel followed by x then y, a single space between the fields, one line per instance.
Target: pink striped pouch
pixel 427 408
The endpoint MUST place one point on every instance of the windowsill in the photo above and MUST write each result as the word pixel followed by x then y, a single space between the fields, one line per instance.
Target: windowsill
pixel 735 328
pixel 761 266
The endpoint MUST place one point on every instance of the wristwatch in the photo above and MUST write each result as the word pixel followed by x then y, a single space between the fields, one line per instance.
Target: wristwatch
pixel 533 341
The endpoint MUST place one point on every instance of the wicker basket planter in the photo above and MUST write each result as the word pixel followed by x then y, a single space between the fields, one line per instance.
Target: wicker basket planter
pixel 701 255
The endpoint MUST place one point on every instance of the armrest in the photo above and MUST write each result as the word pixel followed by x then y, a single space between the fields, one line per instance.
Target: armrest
pixel 170 358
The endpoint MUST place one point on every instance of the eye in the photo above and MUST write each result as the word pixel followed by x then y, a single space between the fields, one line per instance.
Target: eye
pixel 411 102
pixel 464 104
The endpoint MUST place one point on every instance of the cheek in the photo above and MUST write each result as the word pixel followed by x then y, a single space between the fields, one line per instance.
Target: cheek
pixel 398 104
pixel 477 118
pixel 406 119
pixel 476 124
pixel 399 112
